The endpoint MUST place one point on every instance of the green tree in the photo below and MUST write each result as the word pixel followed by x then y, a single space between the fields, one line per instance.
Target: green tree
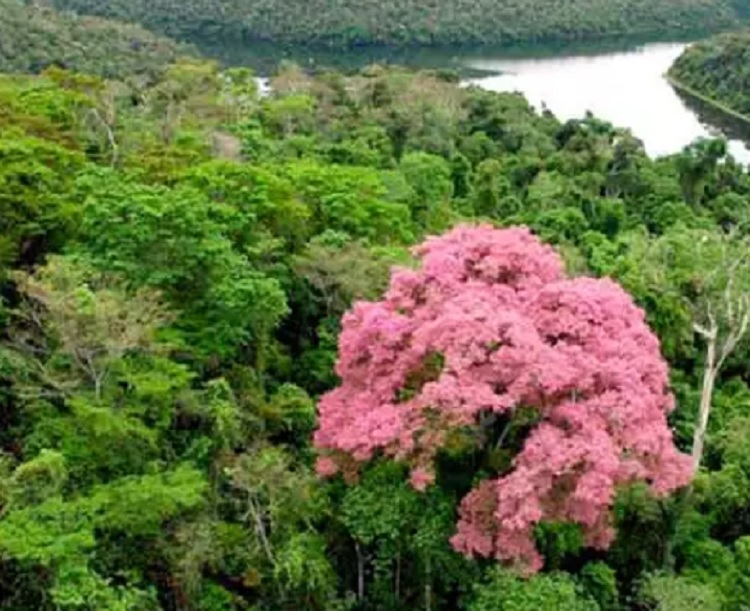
pixel 177 242
pixel 503 591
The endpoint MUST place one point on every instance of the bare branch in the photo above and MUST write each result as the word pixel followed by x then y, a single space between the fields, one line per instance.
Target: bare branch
pixel 110 136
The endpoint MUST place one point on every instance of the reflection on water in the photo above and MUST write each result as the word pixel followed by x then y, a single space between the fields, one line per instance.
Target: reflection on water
pixel 720 123
pixel 626 88
pixel 265 57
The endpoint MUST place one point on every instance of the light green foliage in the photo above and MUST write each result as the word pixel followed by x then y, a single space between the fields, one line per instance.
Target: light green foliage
pixel 58 529
pixel 60 535
pixel 491 191
pixel 216 598
pixel 289 115
pixel 37 480
pixel 739 585
pixel 177 240
pixel 290 409
pixel 381 506
pixel 78 587
pixel 280 503
pixel 665 593
pixel 352 200
pixel 548 190
pixel 301 565
pixel 696 165
pixel 86 435
pixel 688 275
pixel 40 107
pixel 274 486
pixel 241 91
pixel 504 591
pixel 265 203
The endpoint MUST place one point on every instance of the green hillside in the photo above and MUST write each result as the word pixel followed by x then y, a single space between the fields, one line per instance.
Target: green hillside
pixel 349 22
pixel 32 38
pixel 719 69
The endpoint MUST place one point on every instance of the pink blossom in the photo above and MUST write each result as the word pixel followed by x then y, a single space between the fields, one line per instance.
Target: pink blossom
pixel 489 323
pixel 421 478
pixel 326 466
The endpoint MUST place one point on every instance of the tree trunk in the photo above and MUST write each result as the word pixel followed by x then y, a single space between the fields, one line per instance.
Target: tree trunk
pixel 428 586
pixel 397 585
pixel 709 380
pixel 260 529
pixel 360 572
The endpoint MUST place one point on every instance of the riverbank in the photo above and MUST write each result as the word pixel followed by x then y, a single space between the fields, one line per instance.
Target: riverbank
pixel 265 57
pixel 713 103
pixel 623 84
pixel 627 89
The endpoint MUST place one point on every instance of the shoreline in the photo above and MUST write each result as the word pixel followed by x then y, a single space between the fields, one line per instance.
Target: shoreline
pixel 716 104
pixel 266 53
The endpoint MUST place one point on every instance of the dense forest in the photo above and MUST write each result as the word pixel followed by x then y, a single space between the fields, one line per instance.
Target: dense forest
pixel 440 22
pixel 33 38
pixel 229 380
pixel 719 69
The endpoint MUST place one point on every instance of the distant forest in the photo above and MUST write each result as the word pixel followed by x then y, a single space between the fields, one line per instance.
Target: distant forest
pixel 719 69
pixel 403 22
pixel 33 38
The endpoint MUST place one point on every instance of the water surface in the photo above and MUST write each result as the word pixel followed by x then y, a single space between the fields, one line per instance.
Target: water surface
pixel 626 88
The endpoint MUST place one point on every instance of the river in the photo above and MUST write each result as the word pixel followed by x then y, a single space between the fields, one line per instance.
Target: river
pixel 626 88
pixel 618 81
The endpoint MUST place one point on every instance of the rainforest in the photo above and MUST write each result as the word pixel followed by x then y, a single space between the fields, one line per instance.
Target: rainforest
pixel 716 69
pixel 378 339
pixel 345 23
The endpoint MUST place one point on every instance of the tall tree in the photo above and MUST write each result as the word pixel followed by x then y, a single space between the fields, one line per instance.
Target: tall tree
pixel 489 331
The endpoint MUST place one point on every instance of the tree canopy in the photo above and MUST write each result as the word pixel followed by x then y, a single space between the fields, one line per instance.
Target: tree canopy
pixel 183 261
pixel 34 37
pixel 717 68
pixel 444 22
pixel 486 330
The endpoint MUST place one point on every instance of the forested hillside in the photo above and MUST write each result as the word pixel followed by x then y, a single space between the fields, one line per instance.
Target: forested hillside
pixel 32 38
pixel 177 259
pixel 719 69
pixel 353 22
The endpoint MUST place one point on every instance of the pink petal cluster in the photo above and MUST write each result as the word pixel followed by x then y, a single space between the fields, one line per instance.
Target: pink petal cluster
pixel 489 323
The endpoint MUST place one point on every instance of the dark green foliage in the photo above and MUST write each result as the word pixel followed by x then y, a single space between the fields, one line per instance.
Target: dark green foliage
pixel 34 38
pixel 354 22
pixel 717 68
pixel 36 189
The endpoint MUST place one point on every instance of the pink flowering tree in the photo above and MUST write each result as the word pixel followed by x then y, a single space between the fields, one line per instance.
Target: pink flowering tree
pixel 488 327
